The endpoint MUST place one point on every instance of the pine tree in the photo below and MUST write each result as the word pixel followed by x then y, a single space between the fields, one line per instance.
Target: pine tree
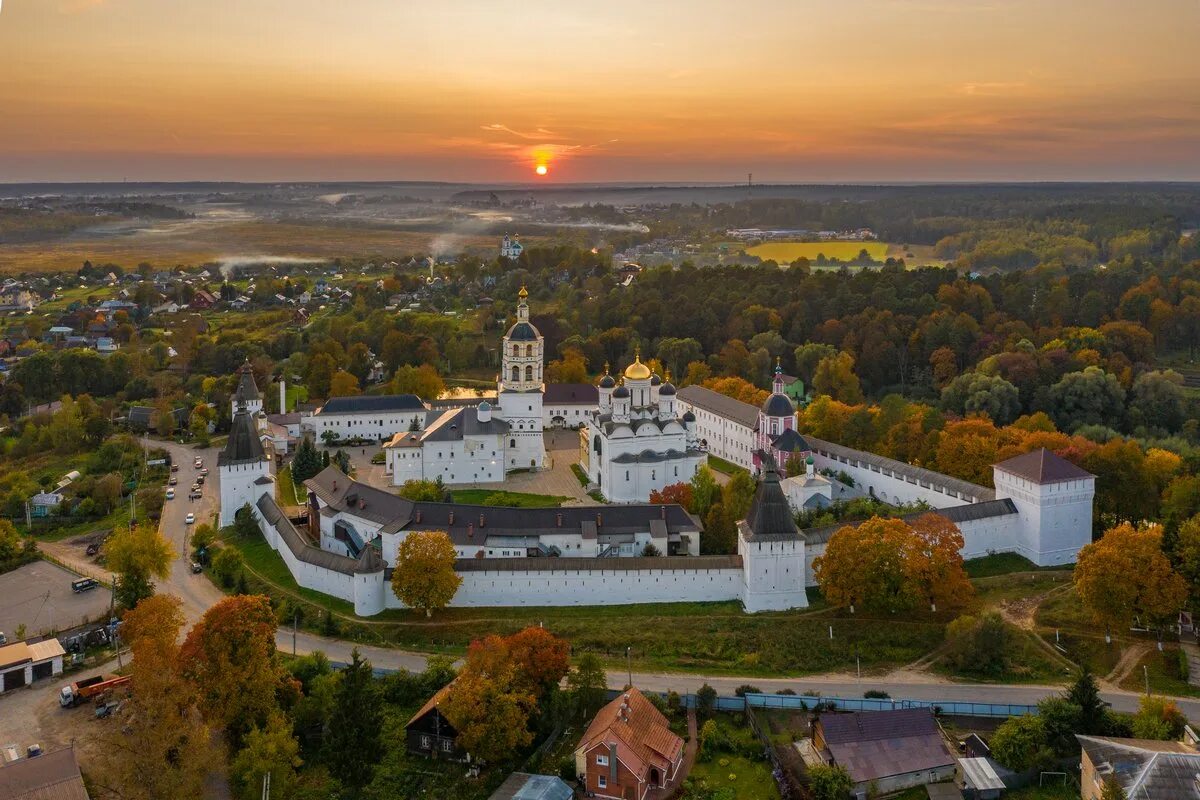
pixel 352 745
pixel 307 462
pixel 1085 694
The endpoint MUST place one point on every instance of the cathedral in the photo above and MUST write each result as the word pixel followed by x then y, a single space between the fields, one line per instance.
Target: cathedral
pixel 637 442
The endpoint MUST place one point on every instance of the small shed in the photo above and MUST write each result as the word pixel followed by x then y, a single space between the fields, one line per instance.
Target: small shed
pixel 524 786
pixel 980 778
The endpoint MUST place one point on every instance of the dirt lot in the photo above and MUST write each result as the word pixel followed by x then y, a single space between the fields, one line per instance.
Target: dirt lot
pixel 39 596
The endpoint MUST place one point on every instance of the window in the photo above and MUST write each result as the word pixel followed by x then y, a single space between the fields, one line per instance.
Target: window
pixel 424 742
pixel 447 745
pixel 516 373
pixel 516 349
pixel 601 761
pixel 528 373
pixel 601 782
pixel 529 350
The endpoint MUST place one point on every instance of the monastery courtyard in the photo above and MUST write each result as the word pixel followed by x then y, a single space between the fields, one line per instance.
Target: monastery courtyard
pixel 562 450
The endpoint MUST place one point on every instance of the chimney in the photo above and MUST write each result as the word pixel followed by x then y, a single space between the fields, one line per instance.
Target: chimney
pixel 282 396
pixel 481 520
pixel 470 530
pixel 599 519
pixel 335 486
pixel 417 517
pixel 662 512
pixel 558 520
pixel 451 518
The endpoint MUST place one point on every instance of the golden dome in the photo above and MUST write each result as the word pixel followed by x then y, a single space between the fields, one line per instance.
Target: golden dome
pixel 523 293
pixel 637 371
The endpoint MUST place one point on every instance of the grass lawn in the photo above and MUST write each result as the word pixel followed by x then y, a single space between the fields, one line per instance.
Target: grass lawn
pixel 787 252
pixel 285 488
pixel 996 588
pixel 1088 650
pixel 580 475
pixel 726 467
pixel 493 497
pixel 750 780
pixel 1064 611
pixel 998 564
pixel 1166 675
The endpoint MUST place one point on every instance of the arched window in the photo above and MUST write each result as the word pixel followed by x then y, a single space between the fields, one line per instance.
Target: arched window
pixel 529 350
pixel 529 373
pixel 596 443
pixel 516 373
pixel 516 349
pixel 512 442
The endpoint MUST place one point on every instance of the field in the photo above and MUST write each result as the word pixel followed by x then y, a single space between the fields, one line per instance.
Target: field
pixel 787 252
pixel 195 242
pixel 494 497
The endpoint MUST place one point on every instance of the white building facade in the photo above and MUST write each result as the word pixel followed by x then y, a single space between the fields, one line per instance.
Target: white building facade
pixel 459 446
pixel 637 441
pixel 520 390
pixel 725 427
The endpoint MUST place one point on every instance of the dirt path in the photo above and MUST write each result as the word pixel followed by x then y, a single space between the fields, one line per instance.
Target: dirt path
pixel 1125 665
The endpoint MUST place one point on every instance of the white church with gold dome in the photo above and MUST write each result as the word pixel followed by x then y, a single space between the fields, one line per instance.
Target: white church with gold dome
pixel 638 440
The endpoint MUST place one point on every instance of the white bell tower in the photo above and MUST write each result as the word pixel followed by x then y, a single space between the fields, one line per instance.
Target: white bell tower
pixel 520 390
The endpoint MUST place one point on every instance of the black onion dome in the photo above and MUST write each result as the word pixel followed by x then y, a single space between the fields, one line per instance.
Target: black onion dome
pixel 607 382
pixel 668 388
pixel 655 380
pixel 621 392
pixel 689 416
pixel 523 332
pixel 778 405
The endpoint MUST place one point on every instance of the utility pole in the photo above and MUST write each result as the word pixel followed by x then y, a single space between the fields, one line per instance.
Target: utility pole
pixel 295 622
pixel 629 665
pixel 266 790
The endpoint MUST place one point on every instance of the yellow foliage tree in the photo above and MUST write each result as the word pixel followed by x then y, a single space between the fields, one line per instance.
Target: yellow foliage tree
pixel 935 563
pixel 424 578
pixel 488 704
pixel 865 566
pixel 343 384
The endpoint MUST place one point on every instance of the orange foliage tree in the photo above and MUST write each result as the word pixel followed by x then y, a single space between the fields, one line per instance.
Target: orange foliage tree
pixel 230 657
pixel 676 493
pixel 738 389
pixel 1126 574
pixel 935 563
pixel 489 704
pixel 541 658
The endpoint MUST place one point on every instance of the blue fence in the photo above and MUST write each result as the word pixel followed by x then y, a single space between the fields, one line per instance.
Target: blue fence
pixel 951 707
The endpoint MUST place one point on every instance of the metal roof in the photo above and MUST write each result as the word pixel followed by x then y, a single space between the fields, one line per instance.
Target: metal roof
pixel 301 549
pixel 716 403
pixel 372 403
pixel 51 776
pixel 243 445
pixel 523 786
pixel 880 744
pixel 908 472
pixel 1146 769
pixel 1043 466
pixel 956 514
pixel 571 394
pixel 615 564
pixel 980 774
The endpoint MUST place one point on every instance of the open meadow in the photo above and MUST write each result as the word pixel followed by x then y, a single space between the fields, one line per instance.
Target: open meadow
pixel 194 242
pixel 787 252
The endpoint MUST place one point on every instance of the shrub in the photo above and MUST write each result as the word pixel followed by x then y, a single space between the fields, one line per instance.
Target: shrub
pixel 1020 744
pixel 227 566
pixel 566 769
pixel 706 700
pixel 786 691
pixel 978 645
pixel 747 688
pixel 876 694
pixel 829 783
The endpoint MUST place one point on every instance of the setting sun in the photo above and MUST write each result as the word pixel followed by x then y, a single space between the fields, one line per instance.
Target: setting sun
pixel 540 169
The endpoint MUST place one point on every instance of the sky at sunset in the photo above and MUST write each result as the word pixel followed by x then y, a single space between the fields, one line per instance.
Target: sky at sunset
pixel 620 90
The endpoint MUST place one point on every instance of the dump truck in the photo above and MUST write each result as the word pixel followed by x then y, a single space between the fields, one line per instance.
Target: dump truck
pixel 86 689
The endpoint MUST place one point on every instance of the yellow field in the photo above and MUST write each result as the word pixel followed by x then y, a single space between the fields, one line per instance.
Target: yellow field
pixel 203 241
pixel 787 252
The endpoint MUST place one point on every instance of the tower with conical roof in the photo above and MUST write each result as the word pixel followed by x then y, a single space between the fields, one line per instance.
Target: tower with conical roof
pixel 520 390
pixel 243 466
pixel 246 393
pixel 771 547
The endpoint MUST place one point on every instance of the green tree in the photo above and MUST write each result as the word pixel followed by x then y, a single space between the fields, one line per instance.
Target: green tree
pixel 976 393
pixel 307 461
pixel 1085 695
pixel 829 782
pixel 588 682
pixel 705 491
pixel 227 566
pixel 1090 397
pixel 10 541
pixel 1158 718
pixel 137 556
pixel 1020 744
pixel 419 490
pixel 1157 400
pixel 424 578
pixel 706 701
pixel 353 745
pixel 268 749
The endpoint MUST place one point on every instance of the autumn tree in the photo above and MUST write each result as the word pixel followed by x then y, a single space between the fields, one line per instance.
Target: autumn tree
pixel 541 658
pixel 866 566
pixel 829 782
pixel 935 563
pixel 343 384
pixel 487 705
pixel 1158 718
pixel 419 490
pixel 230 658
pixel 162 748
pixel 138 555
pixel 835 377
pixel 676 493
pixel 571 367
pixel 1102 578
pixel 424 578
pixel 423 381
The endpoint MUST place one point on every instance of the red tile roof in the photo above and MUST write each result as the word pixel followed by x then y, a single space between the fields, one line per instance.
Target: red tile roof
pixel 641 734
pixel 1043 466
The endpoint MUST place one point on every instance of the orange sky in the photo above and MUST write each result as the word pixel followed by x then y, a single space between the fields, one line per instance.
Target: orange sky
pixel 793 90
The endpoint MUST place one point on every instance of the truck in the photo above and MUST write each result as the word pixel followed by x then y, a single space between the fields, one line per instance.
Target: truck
pixel 86 689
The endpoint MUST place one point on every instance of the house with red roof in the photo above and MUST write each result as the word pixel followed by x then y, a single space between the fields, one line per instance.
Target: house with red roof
pixel 628 749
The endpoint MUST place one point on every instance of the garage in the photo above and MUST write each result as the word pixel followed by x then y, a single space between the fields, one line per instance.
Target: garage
pixel 43 670
pixel 13 679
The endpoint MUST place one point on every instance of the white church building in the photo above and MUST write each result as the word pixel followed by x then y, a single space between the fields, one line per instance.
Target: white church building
pixel 637 441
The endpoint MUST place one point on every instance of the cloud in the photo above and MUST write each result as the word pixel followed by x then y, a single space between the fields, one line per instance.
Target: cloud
pixel 992 88
pixel 538 133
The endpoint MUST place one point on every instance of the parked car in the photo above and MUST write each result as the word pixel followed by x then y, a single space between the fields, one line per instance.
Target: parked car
pixel 203 472
pixel 200 480
pixel 196 568
pixel 3 638
pixel 84 584
pixel 198 463
pixel 195 495
pixel 93 548
pixel 189 519
pixel 173 481
pixel 170 494
pixel 174 468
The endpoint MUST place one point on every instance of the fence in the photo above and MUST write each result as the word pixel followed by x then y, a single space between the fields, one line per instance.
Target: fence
pixel 949 707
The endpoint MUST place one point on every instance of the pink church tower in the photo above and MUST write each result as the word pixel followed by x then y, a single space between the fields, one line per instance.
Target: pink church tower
pixel 777 425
